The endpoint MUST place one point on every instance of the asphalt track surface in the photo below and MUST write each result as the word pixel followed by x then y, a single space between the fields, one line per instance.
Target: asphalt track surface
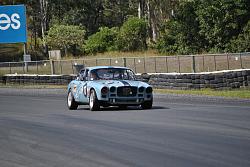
pixel 37 130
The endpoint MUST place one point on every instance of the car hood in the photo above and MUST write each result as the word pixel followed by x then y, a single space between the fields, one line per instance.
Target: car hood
pixel 119 83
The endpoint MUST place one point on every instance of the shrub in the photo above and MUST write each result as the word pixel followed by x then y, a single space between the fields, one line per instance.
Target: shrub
pixel 242 42
pixel 132 35
pixel 65 37
pixel 103 40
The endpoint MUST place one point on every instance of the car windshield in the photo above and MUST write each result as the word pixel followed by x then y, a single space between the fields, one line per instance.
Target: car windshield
pixel 112 74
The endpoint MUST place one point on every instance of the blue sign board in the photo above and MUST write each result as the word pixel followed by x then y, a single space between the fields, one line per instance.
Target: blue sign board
pixel 13 24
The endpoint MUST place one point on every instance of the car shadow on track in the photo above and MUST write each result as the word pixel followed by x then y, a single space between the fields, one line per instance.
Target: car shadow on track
pixel 130 108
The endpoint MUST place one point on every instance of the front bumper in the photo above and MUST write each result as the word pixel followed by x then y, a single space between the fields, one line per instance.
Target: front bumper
pixel 125 100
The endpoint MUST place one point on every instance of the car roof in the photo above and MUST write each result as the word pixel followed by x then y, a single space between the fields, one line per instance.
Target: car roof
pixel 101 67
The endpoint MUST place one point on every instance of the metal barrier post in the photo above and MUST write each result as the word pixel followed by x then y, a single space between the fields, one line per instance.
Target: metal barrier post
pixel 215 63
pixel 135 65
pixel 124 62
pixel 83 62
pixel 194 65
pixel 241 65
pixel 26 67
pixel 155 65
pixel 10 67
pixel 72 67
pixel 203 63
pixel 167 63
pixel 36 67
pixel 61 66
pixel 52 67
pixel 144 65
pixel 179 66
pixel 227 62
pixel 23 67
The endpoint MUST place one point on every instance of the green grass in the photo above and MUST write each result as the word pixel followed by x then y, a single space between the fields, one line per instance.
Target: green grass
pixel 34 86
pixel 243 93
pixel 115 54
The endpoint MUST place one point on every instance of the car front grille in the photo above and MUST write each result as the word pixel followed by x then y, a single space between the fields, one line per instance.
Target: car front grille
pixel 127 91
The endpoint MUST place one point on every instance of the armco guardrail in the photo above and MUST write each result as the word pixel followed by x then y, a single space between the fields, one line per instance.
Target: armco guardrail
pixel 161 64
pixel 215 80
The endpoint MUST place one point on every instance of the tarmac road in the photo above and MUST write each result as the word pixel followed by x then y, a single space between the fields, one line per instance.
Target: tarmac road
pixel 37 130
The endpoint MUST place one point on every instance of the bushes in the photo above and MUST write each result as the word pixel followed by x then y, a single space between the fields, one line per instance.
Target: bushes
pixel 103 40
pixel 65 37
pixel 207 26
pixel 242 42
pixel 131 37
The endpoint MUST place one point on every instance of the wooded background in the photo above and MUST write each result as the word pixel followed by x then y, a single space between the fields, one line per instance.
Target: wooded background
pixel 84 27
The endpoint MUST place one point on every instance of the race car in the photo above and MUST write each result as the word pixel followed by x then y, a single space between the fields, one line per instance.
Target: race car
pixel 108 86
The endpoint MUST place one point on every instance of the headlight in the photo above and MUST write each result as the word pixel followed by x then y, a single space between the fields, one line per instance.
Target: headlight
pixel 112 89
pixel 104 90
pixel 141 89
pixel 149 90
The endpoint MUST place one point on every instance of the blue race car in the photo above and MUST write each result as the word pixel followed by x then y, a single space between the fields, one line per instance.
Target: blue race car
pixel 108 86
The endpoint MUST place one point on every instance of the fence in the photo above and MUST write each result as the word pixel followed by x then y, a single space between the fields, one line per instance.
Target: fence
pixel 161 64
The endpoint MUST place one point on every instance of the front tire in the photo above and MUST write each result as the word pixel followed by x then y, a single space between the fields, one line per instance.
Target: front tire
pixel 147 104
pixel 94 104
pixel 72 104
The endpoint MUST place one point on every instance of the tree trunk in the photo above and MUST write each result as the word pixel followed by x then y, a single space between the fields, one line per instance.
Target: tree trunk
pixel 44 21
pixel 152 22
pixel 141 10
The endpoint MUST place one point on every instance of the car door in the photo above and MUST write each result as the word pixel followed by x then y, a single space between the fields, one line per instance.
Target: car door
pixel 82 88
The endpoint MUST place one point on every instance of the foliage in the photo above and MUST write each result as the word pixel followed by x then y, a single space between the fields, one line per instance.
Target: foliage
pixel 176 27
pixel 103 40
pixel 64 37
pixel 206 26
pixel 11 52
pixel 221 20
pixel 132 35
pixel 242 42
pixel 180 35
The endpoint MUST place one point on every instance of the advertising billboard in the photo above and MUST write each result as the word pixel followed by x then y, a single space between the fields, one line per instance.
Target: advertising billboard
pixel 13 24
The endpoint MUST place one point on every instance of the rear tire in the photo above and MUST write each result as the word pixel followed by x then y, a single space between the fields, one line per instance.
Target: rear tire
pixel 147 104
pixel 94 104
pixel 72 104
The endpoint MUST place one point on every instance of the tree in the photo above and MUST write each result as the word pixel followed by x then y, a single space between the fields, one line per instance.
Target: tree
pixel 181 34
pixel 132 35
pixel 241 43
pixel 221 20
pixel 103 40
pixel 64 37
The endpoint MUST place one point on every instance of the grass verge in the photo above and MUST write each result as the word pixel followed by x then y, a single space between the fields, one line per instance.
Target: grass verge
pixel 117 54
pixel 243 93
pixel 34 86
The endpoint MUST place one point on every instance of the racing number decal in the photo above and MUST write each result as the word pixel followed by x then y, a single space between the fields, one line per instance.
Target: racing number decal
pixel 74 88
pixel 85 90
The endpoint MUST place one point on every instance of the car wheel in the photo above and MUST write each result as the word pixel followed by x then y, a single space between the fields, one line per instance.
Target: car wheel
pixel 147 104
pixel 93 101
pixel 72 104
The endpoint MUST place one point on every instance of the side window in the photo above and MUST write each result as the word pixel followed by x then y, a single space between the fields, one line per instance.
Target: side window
pixel 81 75
pixel 85 74
pixel 130 75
